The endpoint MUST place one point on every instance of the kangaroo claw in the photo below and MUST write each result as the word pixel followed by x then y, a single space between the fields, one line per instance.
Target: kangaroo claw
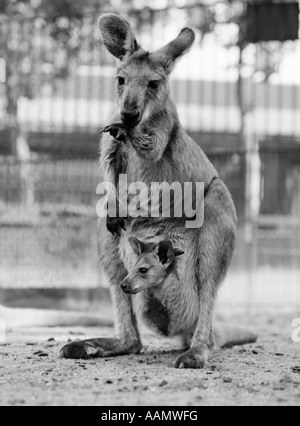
pixel 114 226
pixel 117 131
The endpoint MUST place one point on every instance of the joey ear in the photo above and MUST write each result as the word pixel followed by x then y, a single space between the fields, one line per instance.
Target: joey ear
pixel 136 245
pixel 178 252
pixel 139 248
pixel 165 252
pixel 117 36
pixel 177 48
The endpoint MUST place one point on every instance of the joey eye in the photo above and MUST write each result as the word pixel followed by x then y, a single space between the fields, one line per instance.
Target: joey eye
pixel 143 271
pixel 121 81
pixel 154 85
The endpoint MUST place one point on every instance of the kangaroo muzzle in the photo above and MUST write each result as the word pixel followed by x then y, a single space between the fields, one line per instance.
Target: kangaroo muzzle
pixel 130 117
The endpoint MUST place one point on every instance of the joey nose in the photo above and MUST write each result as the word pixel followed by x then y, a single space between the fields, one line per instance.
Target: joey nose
pixel 124 287
pixel 130 117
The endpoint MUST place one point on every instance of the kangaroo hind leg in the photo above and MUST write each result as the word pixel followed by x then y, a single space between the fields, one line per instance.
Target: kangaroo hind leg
pixel 215 249
pixel 128 339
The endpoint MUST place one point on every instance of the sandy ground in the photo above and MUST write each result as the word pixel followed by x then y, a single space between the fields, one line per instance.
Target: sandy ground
pixel 266 373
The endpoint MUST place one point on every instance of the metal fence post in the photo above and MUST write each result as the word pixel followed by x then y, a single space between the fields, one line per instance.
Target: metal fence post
pixel 253 193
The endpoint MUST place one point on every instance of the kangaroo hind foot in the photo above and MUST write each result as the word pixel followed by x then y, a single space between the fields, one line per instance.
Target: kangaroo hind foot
pixel 98 348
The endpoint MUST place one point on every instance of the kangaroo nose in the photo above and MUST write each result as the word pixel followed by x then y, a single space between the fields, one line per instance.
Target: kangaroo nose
pixel 130 117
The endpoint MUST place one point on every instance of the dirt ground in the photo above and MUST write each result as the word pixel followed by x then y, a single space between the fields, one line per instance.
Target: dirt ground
pixel 266 373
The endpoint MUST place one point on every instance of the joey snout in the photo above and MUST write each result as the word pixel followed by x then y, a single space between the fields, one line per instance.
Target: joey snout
pixel 128 287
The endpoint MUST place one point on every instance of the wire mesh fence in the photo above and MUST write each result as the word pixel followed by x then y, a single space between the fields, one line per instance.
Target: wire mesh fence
pixel 48 237
pixel 52 242
pixel 65 92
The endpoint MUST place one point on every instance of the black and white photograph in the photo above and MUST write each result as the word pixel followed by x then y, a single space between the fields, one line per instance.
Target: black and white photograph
pixel 149 205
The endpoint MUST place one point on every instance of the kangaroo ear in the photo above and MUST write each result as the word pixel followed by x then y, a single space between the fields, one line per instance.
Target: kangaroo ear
pixel 117 36
pixel 177 48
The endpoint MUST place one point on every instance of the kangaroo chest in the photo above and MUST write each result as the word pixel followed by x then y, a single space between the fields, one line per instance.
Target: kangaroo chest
pixel 169 169
pixel 139 170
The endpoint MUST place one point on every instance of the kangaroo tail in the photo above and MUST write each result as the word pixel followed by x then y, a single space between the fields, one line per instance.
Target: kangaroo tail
pixel 228 336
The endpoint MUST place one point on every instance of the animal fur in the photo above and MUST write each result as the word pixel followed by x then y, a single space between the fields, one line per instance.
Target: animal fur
pixel 148 143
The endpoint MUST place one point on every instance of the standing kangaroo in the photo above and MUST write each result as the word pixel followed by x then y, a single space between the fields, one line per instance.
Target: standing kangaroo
pixel 150 145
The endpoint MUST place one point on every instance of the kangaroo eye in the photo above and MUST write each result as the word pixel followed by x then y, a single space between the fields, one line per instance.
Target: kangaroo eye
pixel 121 81
pixel 143 271
pixel 154 85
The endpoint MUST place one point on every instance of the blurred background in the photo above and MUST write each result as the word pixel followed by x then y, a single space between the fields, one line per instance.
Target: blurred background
pixel 238 95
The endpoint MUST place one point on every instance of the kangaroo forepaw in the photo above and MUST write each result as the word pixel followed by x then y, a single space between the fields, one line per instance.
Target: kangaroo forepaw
pixel 98 348
pixel 115 225
pixel 117 131
pixel 195 358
